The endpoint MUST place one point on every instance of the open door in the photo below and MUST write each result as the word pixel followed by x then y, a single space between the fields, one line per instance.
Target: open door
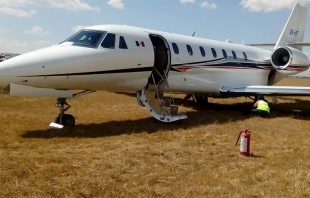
pixel 162 59
pixel 152 96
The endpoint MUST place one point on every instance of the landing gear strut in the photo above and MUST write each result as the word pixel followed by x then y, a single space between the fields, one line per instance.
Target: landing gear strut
pixel 62 118
pixel 66 119
pixel 200 99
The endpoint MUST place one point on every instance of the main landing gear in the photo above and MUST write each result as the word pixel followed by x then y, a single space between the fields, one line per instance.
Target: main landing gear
pixel 198 99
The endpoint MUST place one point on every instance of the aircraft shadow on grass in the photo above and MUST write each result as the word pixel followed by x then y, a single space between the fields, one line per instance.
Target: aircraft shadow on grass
pixel 144 125
pixel 205 115
pixel 295 108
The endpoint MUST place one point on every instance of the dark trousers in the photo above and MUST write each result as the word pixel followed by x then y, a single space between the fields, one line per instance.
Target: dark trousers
pixel 259 112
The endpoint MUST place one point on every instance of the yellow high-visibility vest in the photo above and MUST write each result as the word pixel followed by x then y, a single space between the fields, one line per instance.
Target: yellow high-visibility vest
pixel 262 105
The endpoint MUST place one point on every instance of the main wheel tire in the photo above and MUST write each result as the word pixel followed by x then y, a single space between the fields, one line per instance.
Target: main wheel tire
pixel 68 120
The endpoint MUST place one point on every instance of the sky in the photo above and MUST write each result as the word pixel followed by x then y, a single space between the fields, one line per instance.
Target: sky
pixel 28 25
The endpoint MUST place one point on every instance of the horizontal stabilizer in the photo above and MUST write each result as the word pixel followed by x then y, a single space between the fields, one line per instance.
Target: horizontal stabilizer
pixel 296 44
pixel 303 44
pixel 262 44
pixel 266 91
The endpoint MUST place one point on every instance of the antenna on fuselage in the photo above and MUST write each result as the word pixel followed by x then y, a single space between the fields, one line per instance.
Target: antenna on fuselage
pixel 194 34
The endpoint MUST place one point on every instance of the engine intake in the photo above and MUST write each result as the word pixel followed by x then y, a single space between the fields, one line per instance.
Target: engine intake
pixel 289 60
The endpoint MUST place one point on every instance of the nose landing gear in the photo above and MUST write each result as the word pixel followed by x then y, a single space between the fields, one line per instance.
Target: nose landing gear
pixel 63 119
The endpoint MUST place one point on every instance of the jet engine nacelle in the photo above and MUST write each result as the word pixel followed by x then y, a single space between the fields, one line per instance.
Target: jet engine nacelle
pixel 289 60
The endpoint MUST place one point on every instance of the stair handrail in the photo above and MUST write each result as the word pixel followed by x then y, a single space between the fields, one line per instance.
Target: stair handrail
pixel 159 99
pixel 165 79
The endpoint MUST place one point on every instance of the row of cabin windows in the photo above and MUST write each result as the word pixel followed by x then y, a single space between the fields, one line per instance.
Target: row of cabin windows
pixel 109 42
pixel 203 53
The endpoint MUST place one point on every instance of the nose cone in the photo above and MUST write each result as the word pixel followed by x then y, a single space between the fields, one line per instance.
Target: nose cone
pixel 4 74
pixel 13 69
pixel 32 69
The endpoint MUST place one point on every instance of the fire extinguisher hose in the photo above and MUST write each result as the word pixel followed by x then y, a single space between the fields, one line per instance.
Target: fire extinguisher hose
pixel 246 131
pixel 238 137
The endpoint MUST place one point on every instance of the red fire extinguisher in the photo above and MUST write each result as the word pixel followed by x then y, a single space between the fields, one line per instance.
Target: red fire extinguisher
pixel 244 142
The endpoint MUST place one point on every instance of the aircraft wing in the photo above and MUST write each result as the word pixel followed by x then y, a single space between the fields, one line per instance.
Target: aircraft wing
pixel 266 91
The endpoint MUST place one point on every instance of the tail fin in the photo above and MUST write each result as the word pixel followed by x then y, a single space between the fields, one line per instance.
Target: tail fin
pixel 294 29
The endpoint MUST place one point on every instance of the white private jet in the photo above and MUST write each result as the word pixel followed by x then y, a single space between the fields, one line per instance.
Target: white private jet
pixel 149 62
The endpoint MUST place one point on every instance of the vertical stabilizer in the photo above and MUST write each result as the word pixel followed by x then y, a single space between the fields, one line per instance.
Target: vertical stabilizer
pixel 295 27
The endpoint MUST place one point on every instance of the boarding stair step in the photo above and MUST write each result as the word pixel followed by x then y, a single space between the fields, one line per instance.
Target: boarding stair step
pixel 174 110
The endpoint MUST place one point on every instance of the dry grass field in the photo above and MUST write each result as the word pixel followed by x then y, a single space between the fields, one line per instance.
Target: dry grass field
pixel 118 150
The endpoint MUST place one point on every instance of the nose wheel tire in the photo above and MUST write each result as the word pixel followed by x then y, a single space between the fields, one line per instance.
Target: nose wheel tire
pixel 67 120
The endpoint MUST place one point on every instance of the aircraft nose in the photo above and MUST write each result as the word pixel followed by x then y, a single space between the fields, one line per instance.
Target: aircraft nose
pixel 4 74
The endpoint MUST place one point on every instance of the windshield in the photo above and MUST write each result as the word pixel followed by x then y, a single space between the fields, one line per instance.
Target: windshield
pixel 87 38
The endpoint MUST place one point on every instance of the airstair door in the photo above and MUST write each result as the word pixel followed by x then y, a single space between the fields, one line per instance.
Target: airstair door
pixel 152 96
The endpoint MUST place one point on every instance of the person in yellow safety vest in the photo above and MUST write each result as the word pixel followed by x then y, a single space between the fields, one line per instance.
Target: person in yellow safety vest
pixel 261 107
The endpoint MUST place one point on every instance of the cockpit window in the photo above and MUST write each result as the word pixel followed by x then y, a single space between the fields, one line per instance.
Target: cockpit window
pixel 122 43
pixel 87 38
pixel 109 41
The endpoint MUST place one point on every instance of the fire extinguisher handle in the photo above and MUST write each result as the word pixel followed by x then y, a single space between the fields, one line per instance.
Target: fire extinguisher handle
pixel 238 137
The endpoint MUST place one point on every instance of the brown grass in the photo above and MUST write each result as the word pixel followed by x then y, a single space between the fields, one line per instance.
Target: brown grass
pixel 118 150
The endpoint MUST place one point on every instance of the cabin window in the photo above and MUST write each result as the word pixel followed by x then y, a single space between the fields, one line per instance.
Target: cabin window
pixel 214 52
pixel 175 48
pixel 234 54
pixel 122 43
pixel 245 56
pixel 87 38
pixel 190 50
pixel 224 53
pixel 202 51
pixel 109 41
